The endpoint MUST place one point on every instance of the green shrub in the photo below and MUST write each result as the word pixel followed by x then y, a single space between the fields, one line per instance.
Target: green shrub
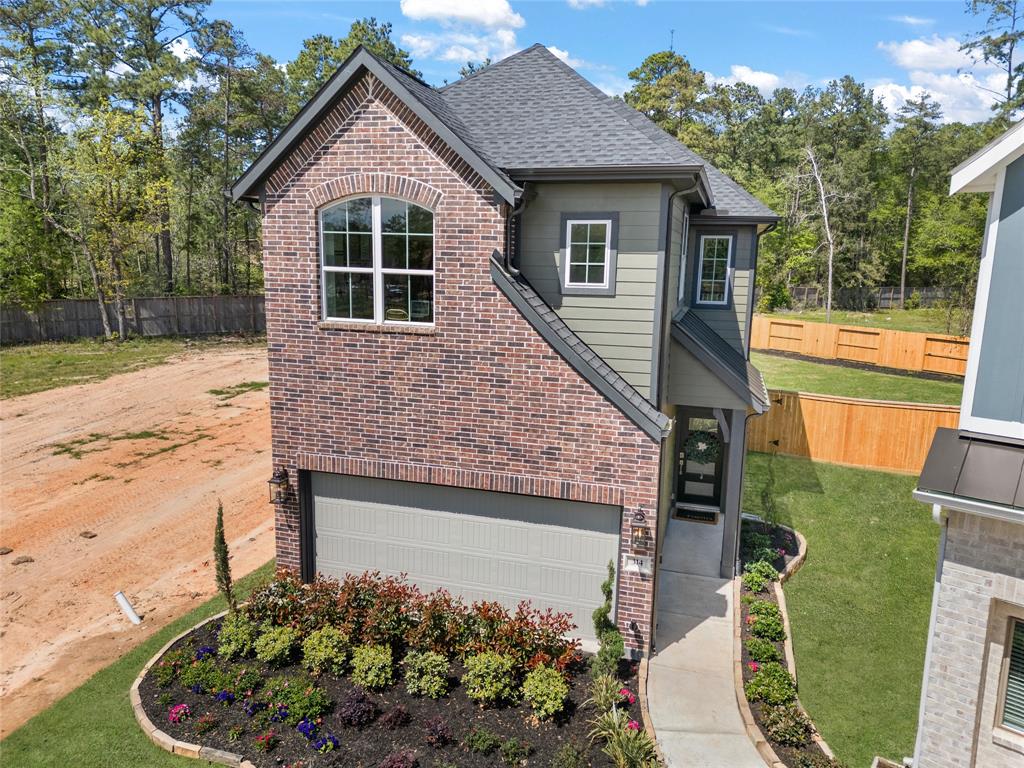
pixel 757 576
pixel 785 724
pixel 276 645
pixel 602 614
pixel 205 675
pixel 751 540
pixel 514 752
pixel 768 628
pixel 606 662
pixel 482 741
pixel 373 666
pixel 545 690
pixel 299 695
pixel 426 674
pixel 325 650
pixel 490 678
pixel 765 608
pixel 570 755
pixel 237 636
pixel 764 555
pixel 167 669
pixel 771 684
pixel 762 650
pixel 818 761
pixel 604 692
pixel 241 680
pixel 774 296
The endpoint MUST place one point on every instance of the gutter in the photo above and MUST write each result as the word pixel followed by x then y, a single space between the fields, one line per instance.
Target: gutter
pixel 971 506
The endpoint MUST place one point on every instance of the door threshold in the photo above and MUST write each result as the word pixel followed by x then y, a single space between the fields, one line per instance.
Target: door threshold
pixel 697 513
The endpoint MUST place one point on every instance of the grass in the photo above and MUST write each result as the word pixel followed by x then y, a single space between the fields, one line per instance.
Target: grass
pixel 859 606
pixel 924 320
pixel 843 381
pixel 37 367
pixel 94 726
pixel 227 393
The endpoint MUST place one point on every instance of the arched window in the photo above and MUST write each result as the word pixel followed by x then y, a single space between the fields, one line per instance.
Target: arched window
pixel 377 261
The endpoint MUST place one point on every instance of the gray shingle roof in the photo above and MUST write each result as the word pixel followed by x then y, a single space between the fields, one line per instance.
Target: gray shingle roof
pixel 721 357
pixel 581 357
pixel 533 111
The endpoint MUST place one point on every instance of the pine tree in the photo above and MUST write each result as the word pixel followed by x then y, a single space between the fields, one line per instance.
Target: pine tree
pixel 220 557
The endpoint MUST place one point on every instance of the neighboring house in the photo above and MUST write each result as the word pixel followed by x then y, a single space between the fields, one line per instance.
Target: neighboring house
pixel 972 699
pixel 495 312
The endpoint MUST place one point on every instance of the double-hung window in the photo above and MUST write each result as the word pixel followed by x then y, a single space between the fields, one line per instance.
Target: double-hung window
pixel 714 257
pixel 377 261
pixel 1012 705
pixel 589 255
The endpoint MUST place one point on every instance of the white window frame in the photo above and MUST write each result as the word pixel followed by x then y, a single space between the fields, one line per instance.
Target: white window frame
pixel 699 277
pixel 377 270
pixel 607 252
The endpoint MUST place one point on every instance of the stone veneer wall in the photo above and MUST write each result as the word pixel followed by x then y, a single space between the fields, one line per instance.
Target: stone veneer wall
pixel 982 586
pixel 480 400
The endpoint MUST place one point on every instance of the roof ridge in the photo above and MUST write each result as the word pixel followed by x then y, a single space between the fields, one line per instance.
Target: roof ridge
pixel 491 66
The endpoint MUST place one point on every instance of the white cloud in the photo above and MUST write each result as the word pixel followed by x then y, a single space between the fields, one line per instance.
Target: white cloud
pixel 912 21
pixel 564 56
pixel 788 31
pixel 613 85
pixel 463 46
pixel 486 13
pixel 579 5
pixel 963 96
pixel 931 54
pixel 765 82
pixel 182 50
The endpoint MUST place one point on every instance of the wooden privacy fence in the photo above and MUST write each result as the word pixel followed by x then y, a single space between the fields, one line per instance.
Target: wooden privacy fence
pixel 878 434
pixel 930 352
pixel 147 316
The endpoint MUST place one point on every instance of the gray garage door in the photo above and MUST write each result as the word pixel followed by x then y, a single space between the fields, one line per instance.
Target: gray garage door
pixel 477 544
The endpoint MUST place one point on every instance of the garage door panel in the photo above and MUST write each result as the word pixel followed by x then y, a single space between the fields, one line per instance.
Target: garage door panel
pixel 479 545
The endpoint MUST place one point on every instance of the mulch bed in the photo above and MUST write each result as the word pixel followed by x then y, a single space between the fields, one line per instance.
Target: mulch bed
pixel 366 748
pixel 784 540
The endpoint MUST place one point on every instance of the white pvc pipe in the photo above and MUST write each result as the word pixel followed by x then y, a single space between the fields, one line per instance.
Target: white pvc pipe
pixel 133 617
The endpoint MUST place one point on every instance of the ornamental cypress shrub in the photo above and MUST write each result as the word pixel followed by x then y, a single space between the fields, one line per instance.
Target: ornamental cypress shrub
pixel 220 558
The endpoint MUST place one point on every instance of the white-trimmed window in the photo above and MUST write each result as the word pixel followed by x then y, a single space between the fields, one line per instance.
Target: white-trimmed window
pixel 377 261
pixel 587 253
pixel 712 284
pixel 1011 713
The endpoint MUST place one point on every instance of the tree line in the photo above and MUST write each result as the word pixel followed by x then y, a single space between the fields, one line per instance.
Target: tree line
pixel 124 122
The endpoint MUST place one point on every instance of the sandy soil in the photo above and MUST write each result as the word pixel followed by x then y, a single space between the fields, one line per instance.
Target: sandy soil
pixel 139 460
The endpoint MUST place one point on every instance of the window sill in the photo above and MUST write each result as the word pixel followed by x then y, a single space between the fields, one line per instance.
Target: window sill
pixel 1004 737
pixel 412 330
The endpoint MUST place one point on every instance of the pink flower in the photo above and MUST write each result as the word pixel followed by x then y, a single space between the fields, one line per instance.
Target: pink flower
pixel 751 619
pixel 179 713
pixel 633 725
pixel 781 551
pixel 753 666
pixel 628 695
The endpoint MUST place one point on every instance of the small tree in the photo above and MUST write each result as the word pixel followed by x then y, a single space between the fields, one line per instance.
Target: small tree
pixel 220 557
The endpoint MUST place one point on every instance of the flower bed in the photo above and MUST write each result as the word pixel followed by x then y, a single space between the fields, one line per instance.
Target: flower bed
pixel 370 672
pixel 769 686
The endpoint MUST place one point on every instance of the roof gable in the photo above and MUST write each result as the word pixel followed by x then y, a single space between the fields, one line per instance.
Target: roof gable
pixel 417 95
pixel 978 172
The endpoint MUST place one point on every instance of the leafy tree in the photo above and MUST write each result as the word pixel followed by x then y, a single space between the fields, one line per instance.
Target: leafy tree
pixel 997 44
pixel 670 91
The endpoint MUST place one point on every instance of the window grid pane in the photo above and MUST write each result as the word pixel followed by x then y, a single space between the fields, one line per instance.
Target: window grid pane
pixel 1013 702
pixel 587 253
pixel 714 269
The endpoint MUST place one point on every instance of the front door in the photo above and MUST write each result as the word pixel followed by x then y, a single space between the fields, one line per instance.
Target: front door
pixel 693 537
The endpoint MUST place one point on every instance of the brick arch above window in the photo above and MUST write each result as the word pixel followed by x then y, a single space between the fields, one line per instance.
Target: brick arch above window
pixel 386 184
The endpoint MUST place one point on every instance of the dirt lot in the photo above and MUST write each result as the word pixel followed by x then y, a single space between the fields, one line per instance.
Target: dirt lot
pixel 113 486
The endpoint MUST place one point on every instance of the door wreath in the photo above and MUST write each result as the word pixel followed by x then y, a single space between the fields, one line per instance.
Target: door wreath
pixel 702 446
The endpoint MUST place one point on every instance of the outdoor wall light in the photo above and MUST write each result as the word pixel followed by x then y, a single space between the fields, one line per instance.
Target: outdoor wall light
pixel 278 483
pixel 638 532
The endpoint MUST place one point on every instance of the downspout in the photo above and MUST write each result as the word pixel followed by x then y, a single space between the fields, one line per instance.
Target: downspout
pixel 942 518
pixel 517 210
pixel 652 620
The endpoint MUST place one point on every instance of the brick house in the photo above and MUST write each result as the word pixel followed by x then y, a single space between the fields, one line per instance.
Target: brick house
pixel 972 697
pixel 508 336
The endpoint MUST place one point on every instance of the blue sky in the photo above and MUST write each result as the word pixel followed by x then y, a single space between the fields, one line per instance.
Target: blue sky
pixel 900 49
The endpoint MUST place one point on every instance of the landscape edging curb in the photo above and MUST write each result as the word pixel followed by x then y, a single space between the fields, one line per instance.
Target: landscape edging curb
pixel 165 741
pixel 753 729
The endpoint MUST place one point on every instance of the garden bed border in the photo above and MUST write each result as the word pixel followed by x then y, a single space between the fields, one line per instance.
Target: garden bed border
pixel 164 740
pixel 761 743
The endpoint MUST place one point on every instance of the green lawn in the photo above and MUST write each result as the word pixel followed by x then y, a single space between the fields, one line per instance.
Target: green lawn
pixel 94 726
pixel 36 367
pixel 829 379
pixel 859 606
pixel 925 320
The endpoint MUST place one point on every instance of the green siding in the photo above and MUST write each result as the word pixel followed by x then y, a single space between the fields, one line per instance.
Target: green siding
pixel 619 328
pixel 691 383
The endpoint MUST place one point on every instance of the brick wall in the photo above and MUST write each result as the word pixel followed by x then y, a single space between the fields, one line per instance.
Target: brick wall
pixel 982 586
pixel 480 400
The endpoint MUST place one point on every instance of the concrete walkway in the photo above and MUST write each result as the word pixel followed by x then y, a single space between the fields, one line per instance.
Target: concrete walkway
pixel 690 691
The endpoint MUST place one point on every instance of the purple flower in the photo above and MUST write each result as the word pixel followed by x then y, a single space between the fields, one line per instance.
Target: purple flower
pixel 307 728
pixel 203 651
pixel 252 707
pixel 281 715
pixel 227 698
pixel 197 688
pixel 326 743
